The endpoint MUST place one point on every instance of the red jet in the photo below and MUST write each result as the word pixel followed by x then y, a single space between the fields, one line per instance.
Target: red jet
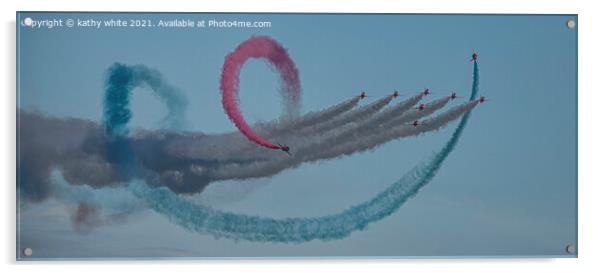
pixel 415 123
pixel 363 95
pixel 474 56
pixel 396 94
pixel 453 96
pixel 426 92
pixel 482 99
pixel 421 107
pixel 284 148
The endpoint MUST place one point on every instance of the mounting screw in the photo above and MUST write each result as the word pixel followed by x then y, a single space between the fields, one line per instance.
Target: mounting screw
pixel 570 23
pixel 571 249
pixel 27 251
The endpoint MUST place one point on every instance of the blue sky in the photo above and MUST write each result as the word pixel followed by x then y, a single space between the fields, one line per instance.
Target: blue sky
pixel 509 188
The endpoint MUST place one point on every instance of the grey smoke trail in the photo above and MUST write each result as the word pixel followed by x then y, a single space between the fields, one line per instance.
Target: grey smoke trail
pixel 309 119
pixel 334 136
pixel 391 112
pixel 75 146
pixel 320 152
pixel 356 115
pixel 78 148
pixel 340 135
pixel 377 125
pixel 233 146
pixel 417 114
pixel 325 140
pixel 397 132
pixel 82 152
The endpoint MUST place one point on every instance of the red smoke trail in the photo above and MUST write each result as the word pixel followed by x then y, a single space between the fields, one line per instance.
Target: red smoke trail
pixel 259 47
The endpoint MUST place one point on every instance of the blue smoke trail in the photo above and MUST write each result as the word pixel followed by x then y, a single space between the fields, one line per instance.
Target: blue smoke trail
pixel 121 80
pixel 337 226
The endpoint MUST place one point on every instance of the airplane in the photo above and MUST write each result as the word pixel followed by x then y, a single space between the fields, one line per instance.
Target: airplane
pixel 421 107
pixel 415 123
pixel 285 148
pixel 426 91
pixel 474 56
pixel 482 99
pixel 396 94
pixel 363 95
pixel 454 96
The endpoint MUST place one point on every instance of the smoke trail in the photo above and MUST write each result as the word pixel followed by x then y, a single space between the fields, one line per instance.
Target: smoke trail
pixel 325 140
pixel 379 125
pixel 234 146
pixel 253 228
pixel 95 207
pixel 173 98
pixel 367 140
pixel 122 79
pixel 340 135
pixel 285 126
pixel 391 112
pixel 374 139
pixel 266 48
pixel 429 108
pixel 294 137
pixel 113 199
pixel 309 119
pixel 357 115
pixel 255 162
pixel 337 135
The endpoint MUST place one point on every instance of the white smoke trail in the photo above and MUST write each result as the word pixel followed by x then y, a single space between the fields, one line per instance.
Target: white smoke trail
pixel 369 130
pixel 234 146
pixel 329 137
pixel 341 134
pixel 417 114
pixel 320 152
pixel 272 129
pixel 387 134
pixel 357 115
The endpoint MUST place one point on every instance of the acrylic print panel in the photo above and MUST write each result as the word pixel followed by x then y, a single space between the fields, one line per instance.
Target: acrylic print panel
pixel 201 135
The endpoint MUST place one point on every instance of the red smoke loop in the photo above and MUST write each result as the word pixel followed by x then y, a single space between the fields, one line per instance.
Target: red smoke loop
pixel 258 47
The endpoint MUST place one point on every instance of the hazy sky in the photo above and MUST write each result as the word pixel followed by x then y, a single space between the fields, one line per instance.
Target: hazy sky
pixel 509 188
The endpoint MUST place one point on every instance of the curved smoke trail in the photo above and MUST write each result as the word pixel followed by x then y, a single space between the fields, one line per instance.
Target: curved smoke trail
pixel 345 132
pixel 254 228
pixel 262 47
pixel 282 127
pixel 120 81
pixel 315 151
pixel 326 126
